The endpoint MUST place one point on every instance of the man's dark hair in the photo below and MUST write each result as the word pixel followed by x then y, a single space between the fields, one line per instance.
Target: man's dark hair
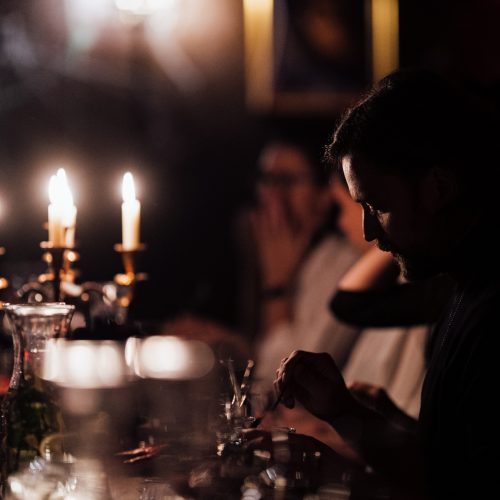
pixel 413 120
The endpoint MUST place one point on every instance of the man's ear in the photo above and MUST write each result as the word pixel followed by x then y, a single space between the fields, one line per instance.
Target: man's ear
pixel 439 189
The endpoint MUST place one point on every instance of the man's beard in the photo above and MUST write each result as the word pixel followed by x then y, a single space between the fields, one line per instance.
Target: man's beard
pixel 415 268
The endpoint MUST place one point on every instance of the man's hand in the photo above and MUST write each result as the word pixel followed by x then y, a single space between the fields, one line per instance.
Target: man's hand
pixel 280 245
pixel 376 398
pixel 315 381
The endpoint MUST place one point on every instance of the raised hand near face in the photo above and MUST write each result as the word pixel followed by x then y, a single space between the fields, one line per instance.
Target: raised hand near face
pixel 315 381
pixel 281 244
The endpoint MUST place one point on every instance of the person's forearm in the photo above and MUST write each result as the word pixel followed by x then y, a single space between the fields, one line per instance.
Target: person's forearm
pixel 392 452
pixel 374 270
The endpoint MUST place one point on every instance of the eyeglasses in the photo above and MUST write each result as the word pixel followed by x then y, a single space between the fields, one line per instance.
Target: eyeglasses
pixel 281 180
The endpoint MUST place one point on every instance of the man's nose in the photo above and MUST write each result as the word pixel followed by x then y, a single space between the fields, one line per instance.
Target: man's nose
pixel 371 227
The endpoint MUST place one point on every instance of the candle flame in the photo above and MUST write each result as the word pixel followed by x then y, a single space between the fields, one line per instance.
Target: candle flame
pixel 128 188
pixel 61 174
pixel 53 189
pixel 59 191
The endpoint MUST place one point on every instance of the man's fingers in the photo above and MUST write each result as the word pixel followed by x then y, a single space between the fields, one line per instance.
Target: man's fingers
pixel 284 376
pixel 290 371
pixel 302 373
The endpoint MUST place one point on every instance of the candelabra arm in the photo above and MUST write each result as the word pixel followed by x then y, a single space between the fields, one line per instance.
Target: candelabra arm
pixel 131 276
pixel 33 288
pixel 59 261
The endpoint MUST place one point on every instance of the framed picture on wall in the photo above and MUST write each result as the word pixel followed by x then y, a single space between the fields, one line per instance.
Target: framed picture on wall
pixel 316 55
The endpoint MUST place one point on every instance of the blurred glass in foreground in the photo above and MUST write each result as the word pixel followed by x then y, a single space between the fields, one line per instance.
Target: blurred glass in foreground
pixel 177 397
pixel 90 381
pixel 29 413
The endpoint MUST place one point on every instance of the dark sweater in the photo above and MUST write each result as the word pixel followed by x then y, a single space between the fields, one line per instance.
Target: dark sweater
pixel 459 418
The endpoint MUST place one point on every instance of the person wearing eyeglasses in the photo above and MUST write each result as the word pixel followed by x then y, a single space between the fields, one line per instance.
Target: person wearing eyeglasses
pixel 301 256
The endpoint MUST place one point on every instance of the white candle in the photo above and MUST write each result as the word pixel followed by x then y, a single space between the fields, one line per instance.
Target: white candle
pixel 62 212
pixel 131 211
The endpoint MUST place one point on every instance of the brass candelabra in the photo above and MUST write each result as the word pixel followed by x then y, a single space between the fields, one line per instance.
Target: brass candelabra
pixel 126 281
pixel 58 283
pixel 59 269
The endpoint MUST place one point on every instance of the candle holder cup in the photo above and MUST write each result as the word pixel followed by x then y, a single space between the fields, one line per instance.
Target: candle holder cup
pixel 59 261
pixel 130 277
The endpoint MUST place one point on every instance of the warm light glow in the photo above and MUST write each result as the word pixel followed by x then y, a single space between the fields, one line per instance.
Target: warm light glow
pixel 131 213
pixel 163 356
pixel 110 365
pixel 79 366
pixel 53 189
pixel 169 358
pixel 59 191
pixel 170 27
pixel 62 211
pixel 128 188
pixel 131 353
pixel 85 364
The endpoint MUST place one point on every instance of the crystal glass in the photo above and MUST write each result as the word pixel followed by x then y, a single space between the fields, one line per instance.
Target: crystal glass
pixel 28 413
pixel 235 401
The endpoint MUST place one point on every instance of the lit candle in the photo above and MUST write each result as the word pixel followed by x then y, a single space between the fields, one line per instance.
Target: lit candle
pixel 62 212
pixel 131 211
